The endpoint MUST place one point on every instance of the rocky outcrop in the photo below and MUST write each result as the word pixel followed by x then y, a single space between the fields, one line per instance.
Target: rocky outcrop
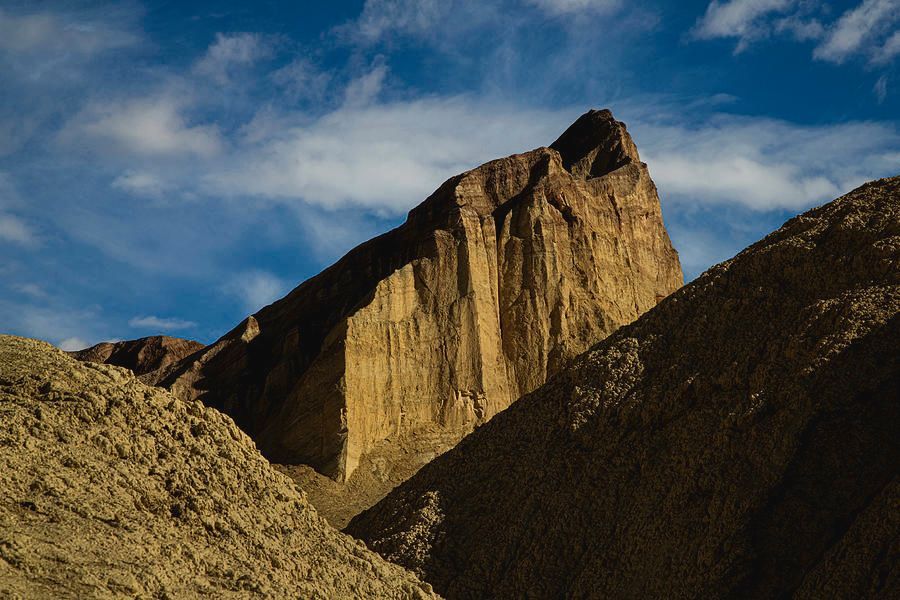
pixel 110 488
pixel 737 441
pixel 492 283
pixel 141 356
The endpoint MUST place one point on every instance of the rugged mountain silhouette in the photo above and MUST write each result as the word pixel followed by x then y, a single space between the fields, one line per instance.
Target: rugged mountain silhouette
pixel 111 488
pixel 493 283
pixel 141 356
pixel 740 440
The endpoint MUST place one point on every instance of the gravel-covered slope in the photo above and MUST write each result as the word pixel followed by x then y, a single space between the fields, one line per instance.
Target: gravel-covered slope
pixel 111 488
pixel 739 440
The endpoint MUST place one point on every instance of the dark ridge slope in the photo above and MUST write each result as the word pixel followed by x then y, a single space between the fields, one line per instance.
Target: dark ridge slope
pixel 740 440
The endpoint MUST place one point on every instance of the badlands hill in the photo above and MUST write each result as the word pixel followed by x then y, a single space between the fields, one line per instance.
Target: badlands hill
pixel 141 356
pixel 493 283
pixel 111 488
pixel 740 440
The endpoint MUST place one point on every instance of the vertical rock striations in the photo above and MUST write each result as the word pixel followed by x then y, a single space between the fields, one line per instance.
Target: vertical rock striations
pixel 737 441
pixel 495 281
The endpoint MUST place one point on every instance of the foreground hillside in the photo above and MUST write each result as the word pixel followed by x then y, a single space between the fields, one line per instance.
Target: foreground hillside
pixel 111 488
pixel 740 440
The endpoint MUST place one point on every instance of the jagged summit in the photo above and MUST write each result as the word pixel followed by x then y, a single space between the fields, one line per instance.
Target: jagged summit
pixel 493 283
pixel 595 144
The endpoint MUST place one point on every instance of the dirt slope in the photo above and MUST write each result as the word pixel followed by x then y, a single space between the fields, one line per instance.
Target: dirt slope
pixel 740 440
pixel 110 488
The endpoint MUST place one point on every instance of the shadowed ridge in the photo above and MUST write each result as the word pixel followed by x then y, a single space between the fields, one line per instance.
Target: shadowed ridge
pixel 737 441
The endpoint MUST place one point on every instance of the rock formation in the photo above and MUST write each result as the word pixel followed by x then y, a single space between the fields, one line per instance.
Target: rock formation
pixel 494 282
pixel 740 440
pixel 111 488
pixel 141 356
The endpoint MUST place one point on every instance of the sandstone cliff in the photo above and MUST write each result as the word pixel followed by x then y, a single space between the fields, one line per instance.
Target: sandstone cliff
pixel 737 441
pixel 495 281
pixel 110 489
pixel 141 356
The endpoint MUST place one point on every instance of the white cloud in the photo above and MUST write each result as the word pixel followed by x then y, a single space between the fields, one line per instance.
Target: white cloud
pixel 145 126
pixel 30 289
pixel 231 52
pixel 16 231
pixel 73 343
pixel 569 7
pixel 381 18
pixel 256 289
pixel 880 89
pixel 858 30
pixel 58 33
pixel 163 324
pixel 802 29
pixel 889 50
pixel 300 79
pixel 765 164
pixel 746 20
pixel 141 183
pixel 384 157
pixel 364 89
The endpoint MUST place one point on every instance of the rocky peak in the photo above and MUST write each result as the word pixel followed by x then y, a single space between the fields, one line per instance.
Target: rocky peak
pixel 595 144
pixel 492 284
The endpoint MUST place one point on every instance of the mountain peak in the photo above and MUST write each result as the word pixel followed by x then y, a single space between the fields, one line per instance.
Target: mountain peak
pixel 595 144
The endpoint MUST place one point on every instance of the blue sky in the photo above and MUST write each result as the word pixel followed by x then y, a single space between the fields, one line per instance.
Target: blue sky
pixel 169 167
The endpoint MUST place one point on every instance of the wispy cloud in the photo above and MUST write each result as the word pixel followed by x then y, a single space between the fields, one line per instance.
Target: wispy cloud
pixel 868 30
pixel 746 20
pixel 765 164
pixel 256 289
pixel 572 7
pixel 141 183
pixel 61 35
pixel 143 126
pixel 880 89
pixel 231 53
pixel 16 231
pixel 162 324
pixel 30 289
pixel 860 30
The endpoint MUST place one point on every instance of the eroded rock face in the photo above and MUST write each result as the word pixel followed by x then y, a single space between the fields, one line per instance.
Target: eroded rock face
pixel 739 440
pixel 493 283
pixel 110 488
pixel 141 356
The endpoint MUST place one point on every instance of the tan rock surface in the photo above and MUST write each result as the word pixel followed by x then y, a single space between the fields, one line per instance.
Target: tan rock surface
pixel 111 488
pixel 495 281
pixel 737 441
pixel 141 356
